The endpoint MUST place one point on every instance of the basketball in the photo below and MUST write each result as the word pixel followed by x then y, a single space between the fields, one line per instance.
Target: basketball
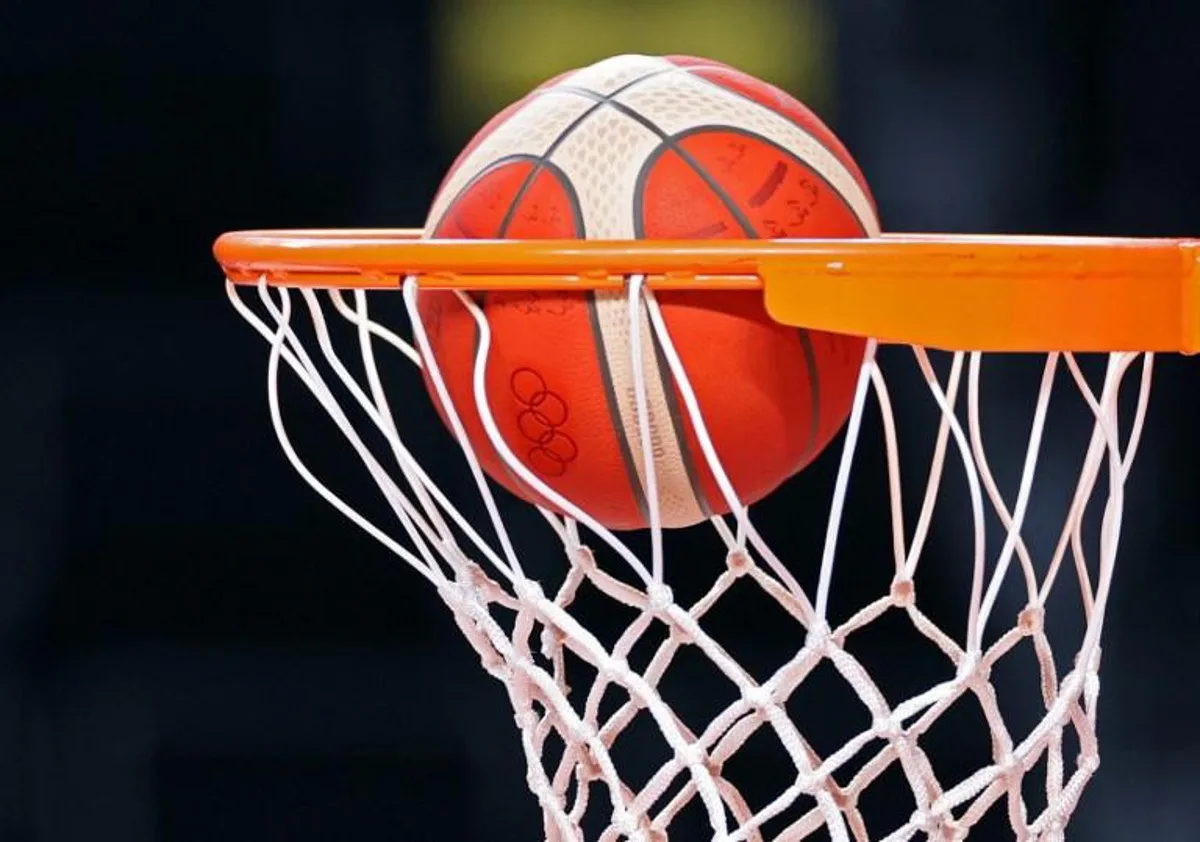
pixel 659 148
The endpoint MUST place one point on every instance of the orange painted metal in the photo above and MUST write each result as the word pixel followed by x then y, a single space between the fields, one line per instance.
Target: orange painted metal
pixel 985 292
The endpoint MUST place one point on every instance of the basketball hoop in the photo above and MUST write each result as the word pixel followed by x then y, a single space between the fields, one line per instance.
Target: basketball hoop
pixel 1122 298
pixel 981 293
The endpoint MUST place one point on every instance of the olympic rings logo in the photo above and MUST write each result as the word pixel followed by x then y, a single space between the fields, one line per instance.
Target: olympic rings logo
pixel 543 413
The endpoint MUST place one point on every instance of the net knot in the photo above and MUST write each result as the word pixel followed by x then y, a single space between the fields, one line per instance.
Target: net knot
pixel 1091 689
pixel 521 692
pixel 626 825
pixel 468 592
pixel 887 728
pixel 1071 686
pixel 904 593
pixel 1010 767
pixel 757 697
pixel 647 832
pixel 937 824
pixel 692 756
pixel 659 598
pixel 1030 620
pixel 681 636
pixel 971 669
pixel 739 562
pixel 809 783
pixel 818 636
pixel 529 591
pixel 616 669
pixel 527 719
pixel 587 768
pixel 552 640
pixel 582 556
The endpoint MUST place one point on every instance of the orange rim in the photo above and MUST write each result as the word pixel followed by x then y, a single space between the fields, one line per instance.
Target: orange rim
pixel 962 292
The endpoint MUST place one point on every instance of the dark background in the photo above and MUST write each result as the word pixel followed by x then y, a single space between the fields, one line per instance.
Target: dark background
pixel 193 645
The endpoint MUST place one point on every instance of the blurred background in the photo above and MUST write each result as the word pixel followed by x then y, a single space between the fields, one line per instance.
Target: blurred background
pixel 193 645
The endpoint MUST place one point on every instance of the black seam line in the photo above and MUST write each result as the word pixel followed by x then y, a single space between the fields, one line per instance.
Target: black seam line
pixel 802 128
pixel 564 134
pixel 614 411
pixel 814 394
pixel 669 142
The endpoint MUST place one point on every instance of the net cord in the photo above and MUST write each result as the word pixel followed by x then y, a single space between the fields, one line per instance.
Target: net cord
pixel 437 549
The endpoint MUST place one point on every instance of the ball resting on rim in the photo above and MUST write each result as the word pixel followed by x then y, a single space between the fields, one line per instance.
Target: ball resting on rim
pixel 558 672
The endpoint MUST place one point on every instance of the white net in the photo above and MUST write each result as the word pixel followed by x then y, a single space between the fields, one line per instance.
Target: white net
pixel 611 754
